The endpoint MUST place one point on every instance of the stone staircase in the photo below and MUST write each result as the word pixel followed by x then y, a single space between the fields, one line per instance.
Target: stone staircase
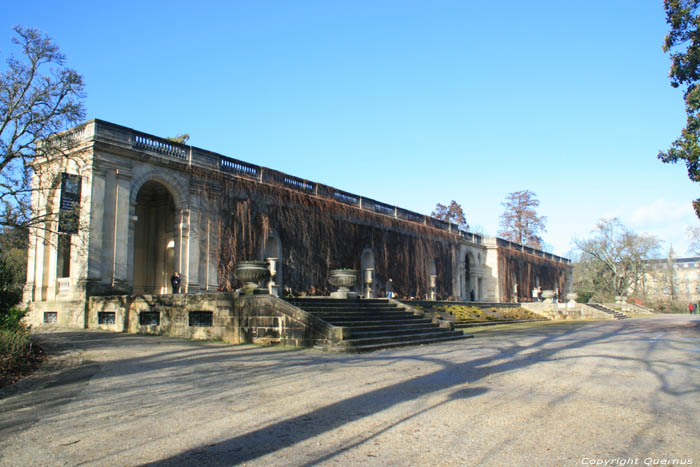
pixel 472 324
pixel 372 324
pixel 610 311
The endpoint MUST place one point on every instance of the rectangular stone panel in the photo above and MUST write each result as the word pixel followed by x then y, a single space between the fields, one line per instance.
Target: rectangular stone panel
pixel 149 318
pixel 106 317
pixel 201 318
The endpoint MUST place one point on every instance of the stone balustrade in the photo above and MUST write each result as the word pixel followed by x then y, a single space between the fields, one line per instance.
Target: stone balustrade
pixel 161 147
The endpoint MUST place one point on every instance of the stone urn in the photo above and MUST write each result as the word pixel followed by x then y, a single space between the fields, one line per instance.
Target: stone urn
pixel 620 299
pixel 344 279
pixel 252 273
pixel 571 297
pixel 548 295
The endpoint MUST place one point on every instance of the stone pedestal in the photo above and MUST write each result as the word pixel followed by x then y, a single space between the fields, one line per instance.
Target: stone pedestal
pixel 271 285
pixel 369 277
pixel 548 296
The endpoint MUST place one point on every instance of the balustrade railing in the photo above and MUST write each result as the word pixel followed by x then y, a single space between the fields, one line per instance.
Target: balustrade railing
pixel 159 145
pixel 237 167
pixel 347 198
pixel 226 164
pixel 63 284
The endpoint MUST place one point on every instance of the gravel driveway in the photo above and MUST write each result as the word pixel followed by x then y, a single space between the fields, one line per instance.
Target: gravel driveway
pixel 561 393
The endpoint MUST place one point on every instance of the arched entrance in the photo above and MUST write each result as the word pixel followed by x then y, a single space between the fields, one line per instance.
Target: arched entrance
pixel 154 239
pixel 469 292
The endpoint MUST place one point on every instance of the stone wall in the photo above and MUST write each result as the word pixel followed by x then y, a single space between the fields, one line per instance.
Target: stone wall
pixel 69 314
pixel 261 319
pixel 528 270
pixel 560 311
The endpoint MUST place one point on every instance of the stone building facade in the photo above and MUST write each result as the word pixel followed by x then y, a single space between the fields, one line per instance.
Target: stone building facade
pixel 145 207
pixel 673 279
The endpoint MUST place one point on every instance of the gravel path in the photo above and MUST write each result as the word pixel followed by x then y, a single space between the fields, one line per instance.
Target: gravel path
pixel 538 394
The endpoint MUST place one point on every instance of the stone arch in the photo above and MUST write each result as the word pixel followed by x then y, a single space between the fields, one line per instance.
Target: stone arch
pixel 154 237
pixel 176 187
pixel 469 286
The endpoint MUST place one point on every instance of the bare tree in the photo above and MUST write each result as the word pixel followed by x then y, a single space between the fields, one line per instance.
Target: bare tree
pixel 39 97
pixel 693 234
pixel 670 278
pixel 615 259
pixel 452 213
pixel 520 222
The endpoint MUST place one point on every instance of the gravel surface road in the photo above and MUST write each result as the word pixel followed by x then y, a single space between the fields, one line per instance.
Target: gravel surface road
pixel 556 393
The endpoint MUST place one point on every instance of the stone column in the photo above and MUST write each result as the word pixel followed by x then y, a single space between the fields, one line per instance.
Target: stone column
pixel 96 247
pixel 123 232
pixel 108 227
pixel 193 279
pixel 50 262
pixel 182 228
pixel 29 292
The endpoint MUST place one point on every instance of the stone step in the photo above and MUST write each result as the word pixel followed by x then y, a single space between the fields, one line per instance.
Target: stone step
pixel 471 324
pixel 438 332
pixel 416 341
pixel 359 315
pixel 390 327
pixel 380 322
pixel 346 306
pixel 616 314
pixel 355 334
pixel 375 324
pixel 356 310
pixel 337 301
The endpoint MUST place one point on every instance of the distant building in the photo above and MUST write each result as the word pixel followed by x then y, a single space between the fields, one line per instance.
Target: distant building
pixel 673 279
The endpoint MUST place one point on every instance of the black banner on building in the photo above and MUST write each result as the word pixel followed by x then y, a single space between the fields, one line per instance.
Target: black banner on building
pixel 69 213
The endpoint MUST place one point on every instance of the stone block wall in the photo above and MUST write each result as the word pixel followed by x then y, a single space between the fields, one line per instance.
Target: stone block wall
pixel 69 314
pixel 560 311
pixel 262 319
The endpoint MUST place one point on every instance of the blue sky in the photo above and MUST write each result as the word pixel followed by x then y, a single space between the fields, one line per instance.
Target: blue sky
pixel 408 102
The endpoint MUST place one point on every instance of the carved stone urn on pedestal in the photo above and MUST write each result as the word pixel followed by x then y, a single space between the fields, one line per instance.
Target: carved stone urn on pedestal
pixel 548 295
pixel 252 273
pixel 344 279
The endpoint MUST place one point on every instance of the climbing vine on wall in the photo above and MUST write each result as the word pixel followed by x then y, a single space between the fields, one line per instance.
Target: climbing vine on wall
pixel 319 235
pixel 523 269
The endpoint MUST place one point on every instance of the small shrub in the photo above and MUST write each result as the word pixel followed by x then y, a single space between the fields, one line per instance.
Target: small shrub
pixel 11 319
pixel 584 297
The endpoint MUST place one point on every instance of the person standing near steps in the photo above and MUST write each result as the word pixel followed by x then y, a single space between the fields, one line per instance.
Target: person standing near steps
pixel 389 288
pixel 175 282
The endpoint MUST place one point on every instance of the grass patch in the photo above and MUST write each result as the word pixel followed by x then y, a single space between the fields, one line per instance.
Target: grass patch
pixel 474 313
pixel 530 326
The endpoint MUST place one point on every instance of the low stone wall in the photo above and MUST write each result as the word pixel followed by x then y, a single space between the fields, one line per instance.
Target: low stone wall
pixel 629 308
pixel 67 314
pixel 262 319
pixel 560 311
